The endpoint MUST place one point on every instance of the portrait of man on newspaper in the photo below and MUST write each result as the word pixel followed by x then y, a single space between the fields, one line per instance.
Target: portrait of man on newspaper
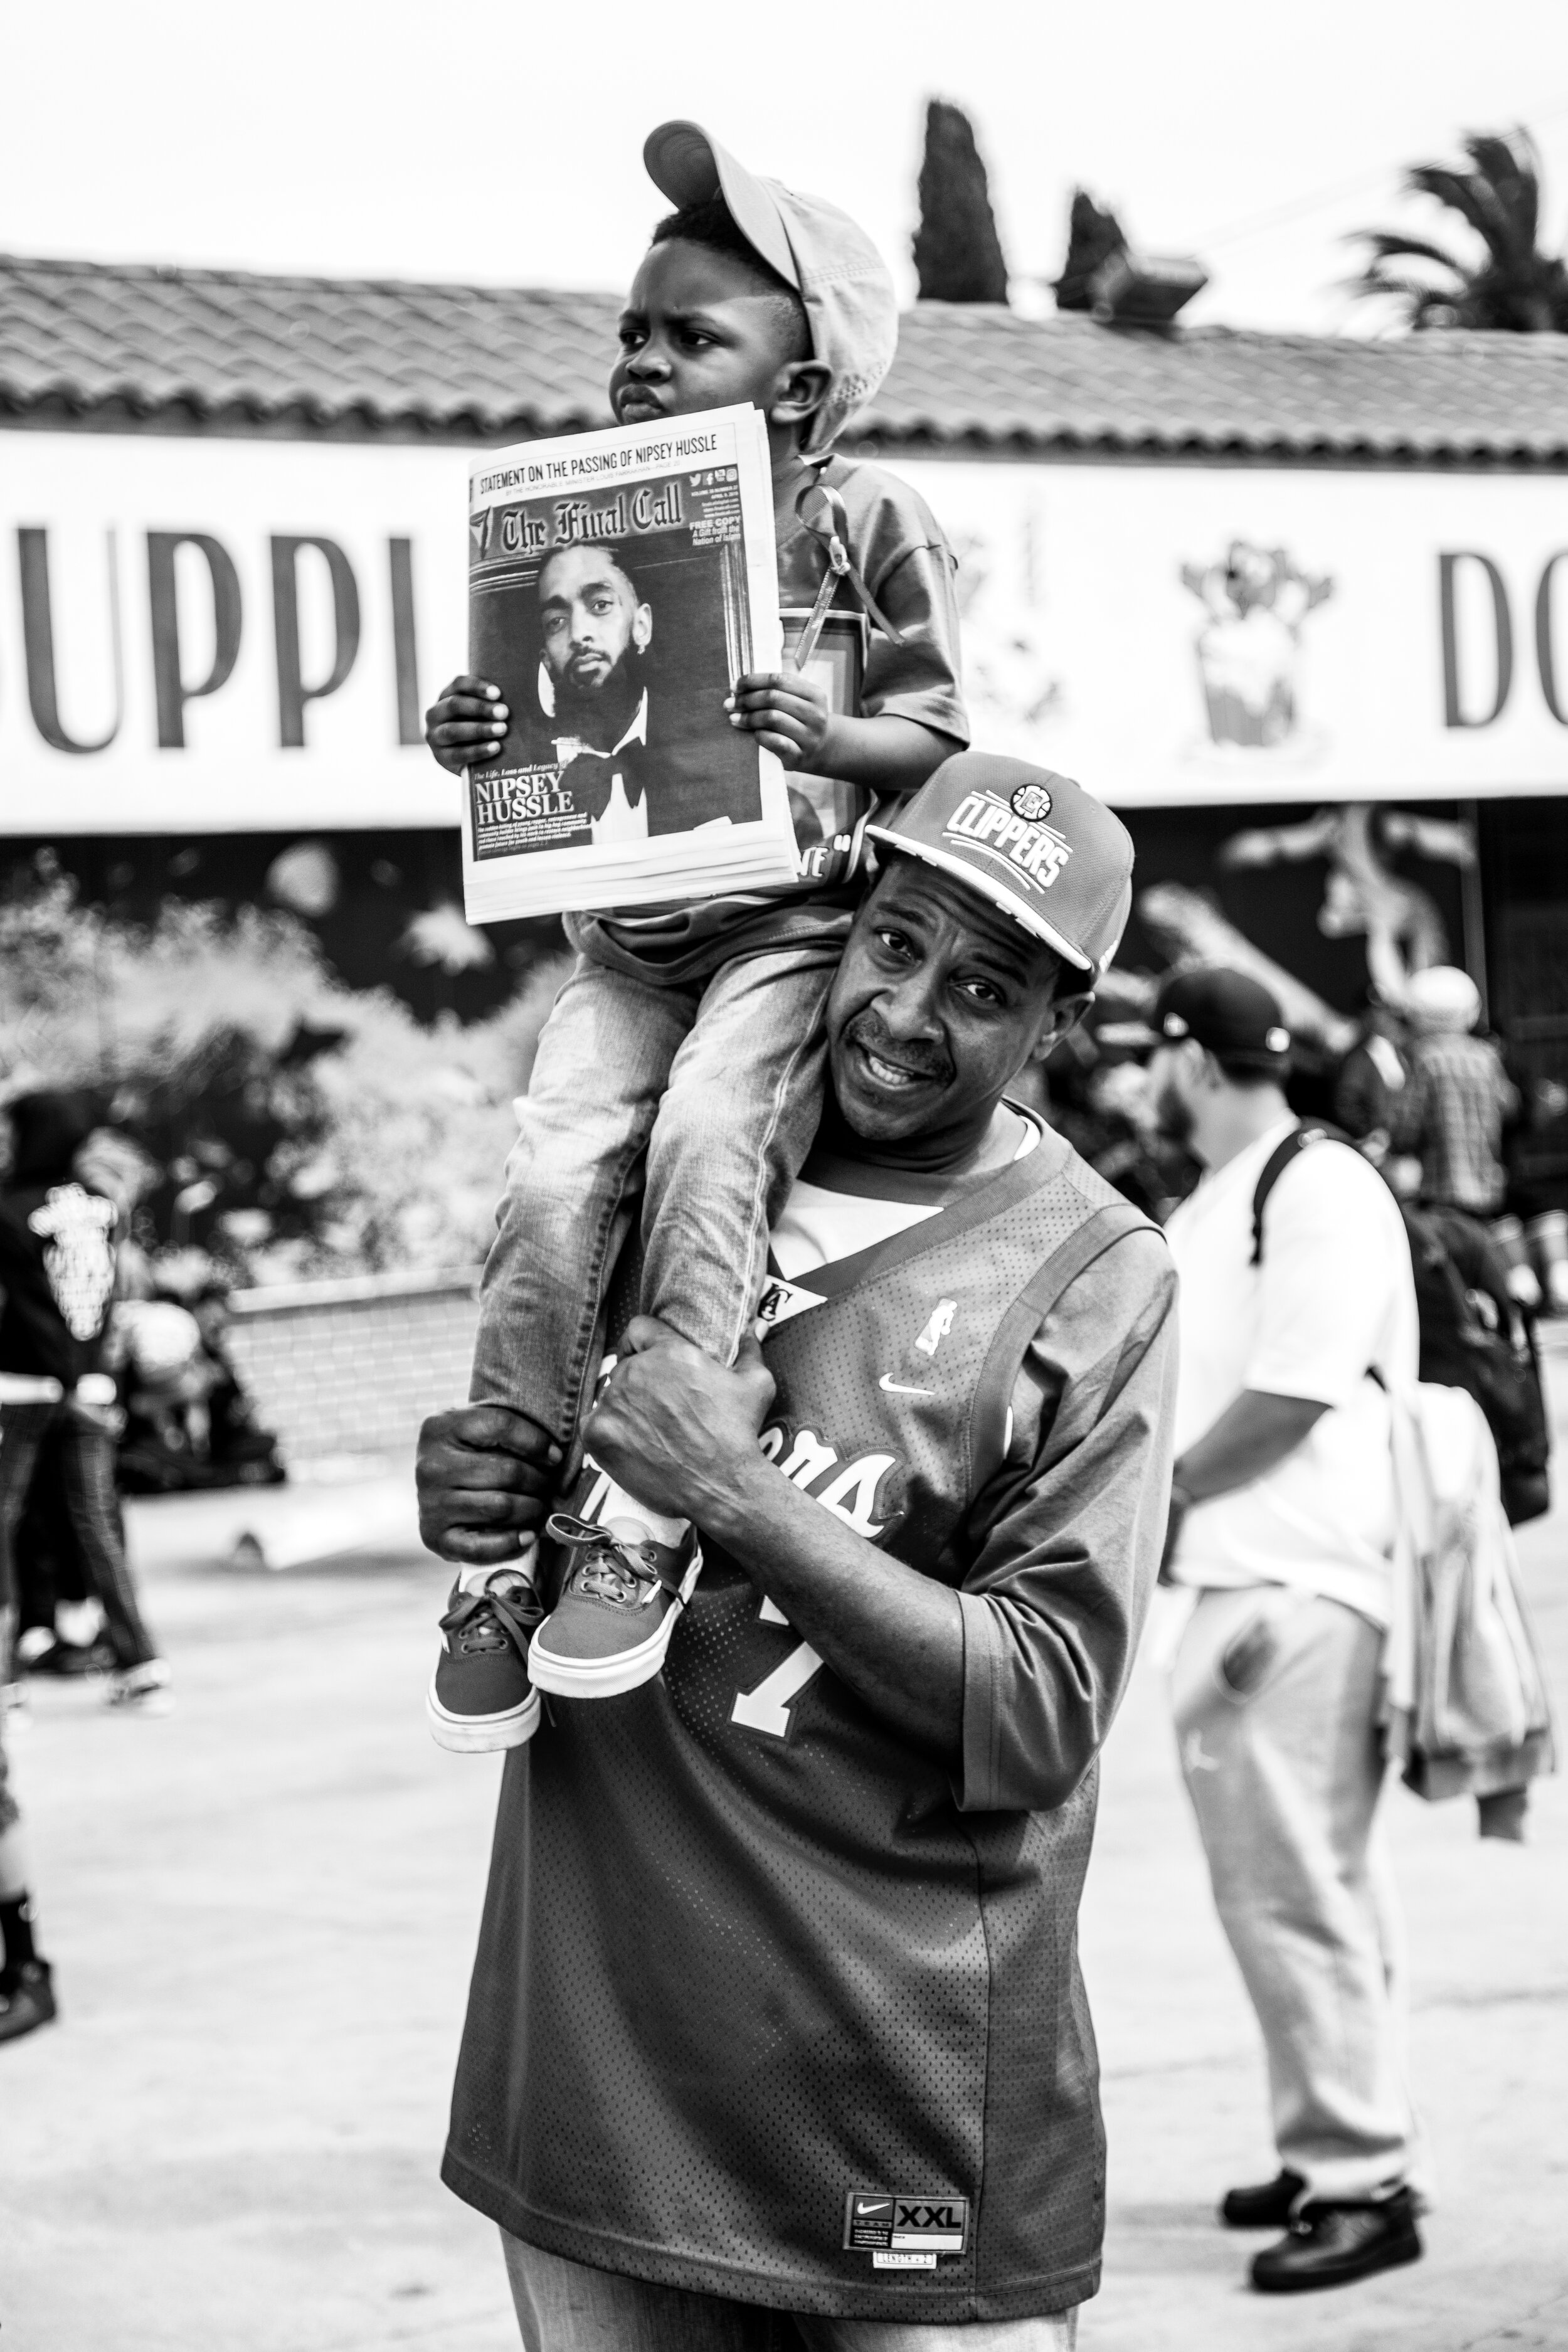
pixel 614 626
pixel 595 628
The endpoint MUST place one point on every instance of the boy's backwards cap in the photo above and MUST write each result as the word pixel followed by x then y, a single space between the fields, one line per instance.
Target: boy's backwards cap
pixel 1033 843
pixel 839 275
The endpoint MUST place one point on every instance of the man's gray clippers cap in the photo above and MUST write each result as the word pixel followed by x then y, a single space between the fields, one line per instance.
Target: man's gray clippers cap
pixel 850 305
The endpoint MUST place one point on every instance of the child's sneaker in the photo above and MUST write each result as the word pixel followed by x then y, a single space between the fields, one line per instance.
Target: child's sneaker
pixel 480 1696
pixel 610 1629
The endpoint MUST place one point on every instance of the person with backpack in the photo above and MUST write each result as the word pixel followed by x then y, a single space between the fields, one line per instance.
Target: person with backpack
pixel 1295 1325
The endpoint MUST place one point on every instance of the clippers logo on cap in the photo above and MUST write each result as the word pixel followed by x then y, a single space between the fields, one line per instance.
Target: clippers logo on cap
pixel 1034 854
pixel 1032 801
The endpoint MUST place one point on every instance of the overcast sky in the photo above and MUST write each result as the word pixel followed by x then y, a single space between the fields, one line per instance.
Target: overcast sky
pixel 494 141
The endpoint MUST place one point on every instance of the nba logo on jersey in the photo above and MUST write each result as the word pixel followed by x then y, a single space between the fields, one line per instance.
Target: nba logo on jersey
pixel 937 1329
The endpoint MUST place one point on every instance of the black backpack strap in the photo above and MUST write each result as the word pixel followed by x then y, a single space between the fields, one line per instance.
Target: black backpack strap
pixel 1274 1167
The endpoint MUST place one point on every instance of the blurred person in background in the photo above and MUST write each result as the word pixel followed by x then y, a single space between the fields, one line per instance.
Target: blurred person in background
pixel 1458 1124
pixel 57 1268
pixel 1298 1316
pixel 1098 1096
pixel 1371 1081
pixel 1448 1121
pixel 27 1986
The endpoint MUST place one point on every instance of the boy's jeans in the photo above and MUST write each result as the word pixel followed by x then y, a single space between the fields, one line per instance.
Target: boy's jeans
pixel 1276 1695
pixel 720 1084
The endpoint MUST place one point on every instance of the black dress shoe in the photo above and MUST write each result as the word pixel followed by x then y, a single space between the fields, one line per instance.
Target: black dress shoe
pixel 26 1998
pixel 1267 2206
pixel 71 1658
pixel 1330 2245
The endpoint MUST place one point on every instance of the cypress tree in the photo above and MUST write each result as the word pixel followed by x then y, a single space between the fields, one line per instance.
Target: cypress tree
pixel 958 254
pixel 1092 238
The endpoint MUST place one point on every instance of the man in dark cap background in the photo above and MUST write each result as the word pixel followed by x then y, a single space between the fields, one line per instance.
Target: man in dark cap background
pixel 1298 1313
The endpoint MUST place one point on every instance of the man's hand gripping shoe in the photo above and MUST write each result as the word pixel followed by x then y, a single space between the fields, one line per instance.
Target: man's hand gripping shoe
pixel 610 1629
pixel 480 1696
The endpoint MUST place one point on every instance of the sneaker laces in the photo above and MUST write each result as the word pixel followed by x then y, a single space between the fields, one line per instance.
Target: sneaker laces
pixel 497 1617
pixel 609 1568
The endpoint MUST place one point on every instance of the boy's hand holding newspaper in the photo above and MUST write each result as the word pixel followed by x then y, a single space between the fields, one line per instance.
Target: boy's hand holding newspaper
pixel 788 710
pixel 466 724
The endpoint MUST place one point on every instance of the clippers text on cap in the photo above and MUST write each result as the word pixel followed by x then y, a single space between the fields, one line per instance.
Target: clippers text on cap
pixel 1036 852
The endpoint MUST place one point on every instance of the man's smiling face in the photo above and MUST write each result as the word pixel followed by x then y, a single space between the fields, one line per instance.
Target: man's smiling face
pixel 940 1002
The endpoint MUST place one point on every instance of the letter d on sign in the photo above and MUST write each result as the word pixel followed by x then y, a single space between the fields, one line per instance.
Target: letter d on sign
pixel 1447 566
pixel 292 692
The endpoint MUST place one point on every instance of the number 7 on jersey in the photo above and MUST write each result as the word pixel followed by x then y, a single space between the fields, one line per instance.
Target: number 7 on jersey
pixel 766 1707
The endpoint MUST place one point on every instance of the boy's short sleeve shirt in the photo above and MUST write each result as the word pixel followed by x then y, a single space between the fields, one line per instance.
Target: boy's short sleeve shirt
pixel 898 548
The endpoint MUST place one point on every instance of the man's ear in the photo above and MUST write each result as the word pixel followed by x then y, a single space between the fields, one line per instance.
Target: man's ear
pixel 1066 1012
pixel 799 390
pixel 642 627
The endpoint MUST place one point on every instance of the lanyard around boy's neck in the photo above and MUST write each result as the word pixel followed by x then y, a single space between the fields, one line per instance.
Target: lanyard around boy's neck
pixel 823 513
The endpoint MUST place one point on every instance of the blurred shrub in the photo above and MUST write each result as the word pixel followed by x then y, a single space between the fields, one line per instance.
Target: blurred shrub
pixel 302 1128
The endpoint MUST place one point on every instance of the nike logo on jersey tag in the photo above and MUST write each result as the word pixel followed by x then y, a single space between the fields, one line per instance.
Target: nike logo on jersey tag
pixel 897 1388
pixel 902 2231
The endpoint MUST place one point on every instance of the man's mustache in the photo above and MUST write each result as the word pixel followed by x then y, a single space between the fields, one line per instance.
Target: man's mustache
pixel 870 1034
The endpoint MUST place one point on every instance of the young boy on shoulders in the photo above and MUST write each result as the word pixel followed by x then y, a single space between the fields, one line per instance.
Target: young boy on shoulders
pixel 685 1053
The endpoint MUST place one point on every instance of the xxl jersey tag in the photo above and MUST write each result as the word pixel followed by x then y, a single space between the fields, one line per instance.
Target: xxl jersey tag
pixel 905 2232
pixel 780 1300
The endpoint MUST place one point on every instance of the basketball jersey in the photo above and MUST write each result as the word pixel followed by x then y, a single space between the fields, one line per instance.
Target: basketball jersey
pixel 759 2008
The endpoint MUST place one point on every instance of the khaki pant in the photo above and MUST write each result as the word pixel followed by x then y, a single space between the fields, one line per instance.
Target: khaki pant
pixel 1275 1696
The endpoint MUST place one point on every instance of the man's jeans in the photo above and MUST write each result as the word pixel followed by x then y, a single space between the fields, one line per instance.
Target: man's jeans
pixel 720 1084
pixel 87 1458
pixel 564 2306
pixel 1276 1696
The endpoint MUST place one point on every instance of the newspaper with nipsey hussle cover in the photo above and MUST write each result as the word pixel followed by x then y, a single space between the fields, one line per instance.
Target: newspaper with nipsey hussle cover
pixel 618 584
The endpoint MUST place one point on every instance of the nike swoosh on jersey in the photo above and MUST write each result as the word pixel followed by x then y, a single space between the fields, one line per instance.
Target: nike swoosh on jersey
pixel 897 1388
pixel 868 2205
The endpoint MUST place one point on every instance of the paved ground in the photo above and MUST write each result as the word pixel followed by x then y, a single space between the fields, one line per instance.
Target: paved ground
pixel 262 1910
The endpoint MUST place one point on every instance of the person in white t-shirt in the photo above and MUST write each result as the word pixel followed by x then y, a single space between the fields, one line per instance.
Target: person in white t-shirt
pixel 1294 1326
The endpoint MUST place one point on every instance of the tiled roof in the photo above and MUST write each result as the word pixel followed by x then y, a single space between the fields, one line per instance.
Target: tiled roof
pixel 174 346
pixel 1220 389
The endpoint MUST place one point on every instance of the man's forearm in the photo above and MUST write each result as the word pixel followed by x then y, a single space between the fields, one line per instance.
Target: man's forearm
pixel 1253 1433
pixel 894 1636
pixel 889 753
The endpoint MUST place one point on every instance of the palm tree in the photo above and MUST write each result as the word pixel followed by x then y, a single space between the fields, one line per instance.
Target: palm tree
pixel 1512 284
